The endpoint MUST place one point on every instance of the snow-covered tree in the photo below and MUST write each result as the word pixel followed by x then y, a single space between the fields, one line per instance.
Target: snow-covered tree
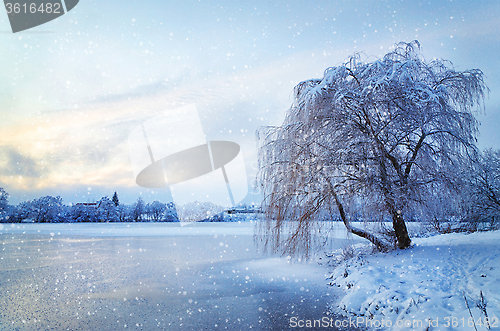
pixel 4 199
pixel 4 203
pixel 21 212
pixel 138 210
pixel 125 213
pixel 171 213
pixel 482 192
pixel 83 213
pixel 106 210
pixel 156 210
pixel 381 135
pixel 116 200
pixel 47 209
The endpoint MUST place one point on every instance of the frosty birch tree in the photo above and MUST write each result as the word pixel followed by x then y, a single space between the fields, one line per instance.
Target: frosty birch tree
pixel 381 135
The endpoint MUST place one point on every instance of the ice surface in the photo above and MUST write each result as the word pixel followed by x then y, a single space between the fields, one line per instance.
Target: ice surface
pixel 134 229
pixel 151 276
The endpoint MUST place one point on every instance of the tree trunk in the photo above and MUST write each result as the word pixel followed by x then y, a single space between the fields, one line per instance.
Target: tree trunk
pixel 399 225
pixel 398 222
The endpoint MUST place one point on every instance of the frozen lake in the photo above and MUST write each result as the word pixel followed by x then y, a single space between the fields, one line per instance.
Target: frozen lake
pixel 151 276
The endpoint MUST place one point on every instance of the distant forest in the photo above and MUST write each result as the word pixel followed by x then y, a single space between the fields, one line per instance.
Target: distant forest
pixel 51 209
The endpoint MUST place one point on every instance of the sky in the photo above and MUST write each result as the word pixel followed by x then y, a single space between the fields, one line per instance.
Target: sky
pixel 73 89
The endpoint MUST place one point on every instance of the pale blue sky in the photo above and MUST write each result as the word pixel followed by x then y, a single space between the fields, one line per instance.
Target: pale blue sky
pixel 72 89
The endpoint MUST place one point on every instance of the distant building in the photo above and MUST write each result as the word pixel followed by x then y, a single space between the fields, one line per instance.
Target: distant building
pixel 236 214
pixel 244 210
pixel 88 204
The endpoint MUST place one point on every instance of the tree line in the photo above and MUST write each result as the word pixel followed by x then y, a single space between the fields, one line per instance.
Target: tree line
pixel 51 209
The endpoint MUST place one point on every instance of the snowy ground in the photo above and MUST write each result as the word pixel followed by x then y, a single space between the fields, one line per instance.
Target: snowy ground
pixel 434 285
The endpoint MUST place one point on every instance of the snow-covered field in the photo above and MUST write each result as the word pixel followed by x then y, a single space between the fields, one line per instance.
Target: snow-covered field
pixel 444 282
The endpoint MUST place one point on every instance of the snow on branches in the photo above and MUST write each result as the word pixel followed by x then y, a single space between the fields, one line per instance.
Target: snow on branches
pixel 368 141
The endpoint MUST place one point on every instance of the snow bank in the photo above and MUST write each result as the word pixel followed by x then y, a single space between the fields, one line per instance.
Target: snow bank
pixel 445 282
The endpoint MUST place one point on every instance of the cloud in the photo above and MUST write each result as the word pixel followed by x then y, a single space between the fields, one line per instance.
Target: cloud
pixel 86 146
pixel 17 164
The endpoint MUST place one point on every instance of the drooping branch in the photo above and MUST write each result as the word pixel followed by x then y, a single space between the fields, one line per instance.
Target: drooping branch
pixel 381 246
